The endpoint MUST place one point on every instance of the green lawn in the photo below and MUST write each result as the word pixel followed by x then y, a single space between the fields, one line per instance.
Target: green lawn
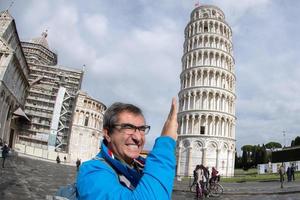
pixel 251 175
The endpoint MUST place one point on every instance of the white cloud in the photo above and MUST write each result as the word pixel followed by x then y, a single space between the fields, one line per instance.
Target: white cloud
pixel 96 25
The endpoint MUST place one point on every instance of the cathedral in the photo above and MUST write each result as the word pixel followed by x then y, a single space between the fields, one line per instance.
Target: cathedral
pixel 44 113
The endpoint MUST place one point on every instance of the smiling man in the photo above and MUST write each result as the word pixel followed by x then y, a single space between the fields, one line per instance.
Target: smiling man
pixel 118 171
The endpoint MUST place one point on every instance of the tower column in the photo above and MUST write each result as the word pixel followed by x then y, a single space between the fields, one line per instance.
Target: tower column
pixel 181 127
pixel 218 158
pixel 227 164
pixel 190 170
pixel 178 161
pixel 204 156
pixel 201 101
pixel 189 101
pixel 193 122
pixel 186 124
pixel 194 102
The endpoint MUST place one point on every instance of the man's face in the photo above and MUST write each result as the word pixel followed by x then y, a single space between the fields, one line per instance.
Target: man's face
pixel 126 144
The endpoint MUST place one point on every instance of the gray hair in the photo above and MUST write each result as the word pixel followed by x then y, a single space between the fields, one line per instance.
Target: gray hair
pixel 112 113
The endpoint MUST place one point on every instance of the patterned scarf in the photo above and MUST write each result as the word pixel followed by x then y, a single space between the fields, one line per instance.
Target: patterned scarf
pixel 132 173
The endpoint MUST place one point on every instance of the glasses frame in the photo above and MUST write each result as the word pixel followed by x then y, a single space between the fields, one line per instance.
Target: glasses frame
pixel 132 128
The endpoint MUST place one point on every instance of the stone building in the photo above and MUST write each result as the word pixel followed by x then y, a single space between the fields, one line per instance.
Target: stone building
pixel 86 131
pixel 38 100
pixel 50 102
pixel 207 96
pixel 14 73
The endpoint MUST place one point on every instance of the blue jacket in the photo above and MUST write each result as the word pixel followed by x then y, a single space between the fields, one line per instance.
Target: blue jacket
pixel 97 180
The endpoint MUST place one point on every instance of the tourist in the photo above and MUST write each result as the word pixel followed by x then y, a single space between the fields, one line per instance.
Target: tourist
pixel 289 174
pixel 202 175
pixel 293 171
pixel 5 151
pixel 215 177
pixel 195 175
pixel 57 159
pixel 281 174
pixel 78 162
pixel 118 172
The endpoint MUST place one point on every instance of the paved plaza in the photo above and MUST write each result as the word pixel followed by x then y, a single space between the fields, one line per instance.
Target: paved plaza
pixel 25 178
pixel 246 191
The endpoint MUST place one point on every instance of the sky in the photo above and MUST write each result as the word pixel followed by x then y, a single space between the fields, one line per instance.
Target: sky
pixel 132 52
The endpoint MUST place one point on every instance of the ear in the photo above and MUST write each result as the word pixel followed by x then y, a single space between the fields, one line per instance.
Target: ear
pixel 106 135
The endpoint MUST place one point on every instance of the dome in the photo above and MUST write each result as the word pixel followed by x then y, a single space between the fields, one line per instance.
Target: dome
pixel 41 40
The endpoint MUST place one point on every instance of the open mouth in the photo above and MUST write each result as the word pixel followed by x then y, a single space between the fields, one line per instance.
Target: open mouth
pixel 133 146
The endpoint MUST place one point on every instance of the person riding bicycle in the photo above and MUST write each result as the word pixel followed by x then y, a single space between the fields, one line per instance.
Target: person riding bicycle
pixel 215 177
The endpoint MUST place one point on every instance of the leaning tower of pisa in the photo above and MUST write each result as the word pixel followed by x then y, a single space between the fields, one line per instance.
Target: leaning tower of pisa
pixel 207 95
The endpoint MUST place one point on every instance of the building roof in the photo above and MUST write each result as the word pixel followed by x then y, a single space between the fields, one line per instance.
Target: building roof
pixel 41 40
pixel 5 15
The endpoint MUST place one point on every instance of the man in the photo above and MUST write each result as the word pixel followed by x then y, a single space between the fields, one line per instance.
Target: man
pixel 118 172
pixel 5 151
pixel 78 162
pixel 293 171
pixel 57 159
pixel 281 174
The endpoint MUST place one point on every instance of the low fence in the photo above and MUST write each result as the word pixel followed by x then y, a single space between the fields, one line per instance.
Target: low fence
pixel 273 167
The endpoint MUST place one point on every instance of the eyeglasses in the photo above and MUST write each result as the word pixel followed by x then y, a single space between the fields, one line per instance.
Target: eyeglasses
pixel 130 128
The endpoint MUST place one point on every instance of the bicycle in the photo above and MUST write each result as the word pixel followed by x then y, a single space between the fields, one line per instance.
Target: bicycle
pixel 198 189
pixel 215 189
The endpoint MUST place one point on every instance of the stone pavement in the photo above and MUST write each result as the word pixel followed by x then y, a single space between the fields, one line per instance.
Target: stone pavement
pixel 248 188
pixel 245 190
pixel 25 178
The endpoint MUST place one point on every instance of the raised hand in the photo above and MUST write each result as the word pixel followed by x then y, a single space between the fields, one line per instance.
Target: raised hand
pixel 171 125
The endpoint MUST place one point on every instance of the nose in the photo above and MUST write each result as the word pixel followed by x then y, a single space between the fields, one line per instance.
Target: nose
pixel 137 136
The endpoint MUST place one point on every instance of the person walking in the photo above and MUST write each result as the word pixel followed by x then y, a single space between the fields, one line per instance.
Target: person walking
pixel 5 150
pixel 202 179
pixel 289 174
pixel 293 171
pixel 195 175
pixel 281 174
pixel 57 159
pixel 78 162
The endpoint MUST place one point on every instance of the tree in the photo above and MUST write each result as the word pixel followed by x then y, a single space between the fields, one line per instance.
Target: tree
pixel 297 141
pixel 264 158
pixel 293 143
pixel 245 160
pixel 273 145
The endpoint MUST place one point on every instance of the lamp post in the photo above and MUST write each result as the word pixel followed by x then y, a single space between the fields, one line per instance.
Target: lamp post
pixel 283 132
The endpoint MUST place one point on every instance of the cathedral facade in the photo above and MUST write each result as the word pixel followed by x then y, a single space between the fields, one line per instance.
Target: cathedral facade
pixel 207 96
pixel 14 75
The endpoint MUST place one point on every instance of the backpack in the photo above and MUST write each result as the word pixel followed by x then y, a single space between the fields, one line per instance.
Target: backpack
pixel 69 192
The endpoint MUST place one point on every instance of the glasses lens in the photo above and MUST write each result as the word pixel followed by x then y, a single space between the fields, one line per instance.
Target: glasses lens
pixel 145 129
pixel 130 128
